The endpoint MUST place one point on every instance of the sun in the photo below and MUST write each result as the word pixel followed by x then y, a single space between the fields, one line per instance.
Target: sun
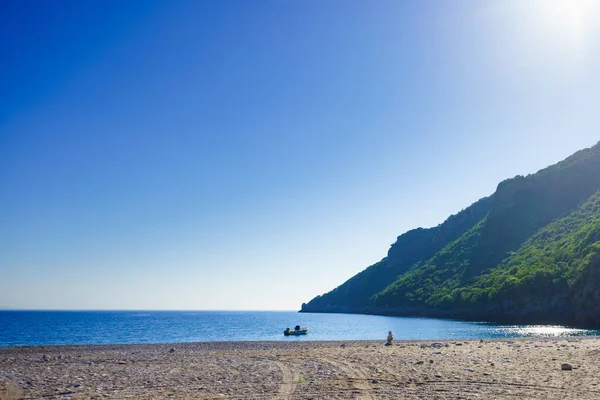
pixel 570 19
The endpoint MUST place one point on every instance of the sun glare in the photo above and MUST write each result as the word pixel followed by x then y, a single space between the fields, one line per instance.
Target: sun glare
pixel 571 19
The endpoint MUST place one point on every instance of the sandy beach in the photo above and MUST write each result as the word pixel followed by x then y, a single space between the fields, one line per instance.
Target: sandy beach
pixel 494 369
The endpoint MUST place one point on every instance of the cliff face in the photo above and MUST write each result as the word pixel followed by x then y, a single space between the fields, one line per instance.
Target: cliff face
pixel 528 253
pixel 523 205
pixel 355 295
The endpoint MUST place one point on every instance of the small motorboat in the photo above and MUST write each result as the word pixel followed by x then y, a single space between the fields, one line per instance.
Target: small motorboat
pixel 297 331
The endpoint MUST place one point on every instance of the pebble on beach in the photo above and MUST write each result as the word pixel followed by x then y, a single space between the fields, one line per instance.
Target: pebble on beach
pixel 566 367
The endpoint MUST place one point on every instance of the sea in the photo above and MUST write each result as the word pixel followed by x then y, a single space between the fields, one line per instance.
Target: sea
pixel 42 328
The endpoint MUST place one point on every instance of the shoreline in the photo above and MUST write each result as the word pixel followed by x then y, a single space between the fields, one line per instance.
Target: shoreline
pixel 493 368
pixel 292 342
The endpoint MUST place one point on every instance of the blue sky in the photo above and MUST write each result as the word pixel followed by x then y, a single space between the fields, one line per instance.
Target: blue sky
pixel 251 155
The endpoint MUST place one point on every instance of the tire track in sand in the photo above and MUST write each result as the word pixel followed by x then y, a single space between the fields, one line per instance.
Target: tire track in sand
pixel 359 379
pixel 288 385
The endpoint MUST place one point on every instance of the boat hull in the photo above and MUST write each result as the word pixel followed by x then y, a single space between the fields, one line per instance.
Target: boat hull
pixel 298 332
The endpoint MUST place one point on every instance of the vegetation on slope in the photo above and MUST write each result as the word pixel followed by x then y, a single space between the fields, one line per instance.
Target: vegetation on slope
pixel 533 258
pixel 420 284
pixel 353 295
pixel 520 207
pixel 523 205
pixel 411 247
pixel 554 274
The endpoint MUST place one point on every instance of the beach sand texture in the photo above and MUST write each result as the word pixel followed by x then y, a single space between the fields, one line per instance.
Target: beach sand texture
pixel 494 369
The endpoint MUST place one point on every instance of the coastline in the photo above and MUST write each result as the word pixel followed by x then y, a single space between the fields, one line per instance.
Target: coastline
pixel 495 368
pixel 487 315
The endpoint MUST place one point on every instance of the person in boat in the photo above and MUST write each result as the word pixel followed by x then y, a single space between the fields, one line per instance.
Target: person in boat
pixel 287 331
pixel 297 328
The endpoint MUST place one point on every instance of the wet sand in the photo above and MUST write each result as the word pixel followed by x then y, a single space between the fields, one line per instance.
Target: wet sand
pixel 494 369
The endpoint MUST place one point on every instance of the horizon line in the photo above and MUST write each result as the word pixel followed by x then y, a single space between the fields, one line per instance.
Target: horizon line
pixel 138 310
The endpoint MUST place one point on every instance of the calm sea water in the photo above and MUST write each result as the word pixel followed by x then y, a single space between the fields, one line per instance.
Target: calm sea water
pixel 35 328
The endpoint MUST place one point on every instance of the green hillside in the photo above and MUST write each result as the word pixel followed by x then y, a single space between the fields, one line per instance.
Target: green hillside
pixel 553 277
pixel 529 254
pixel 413 246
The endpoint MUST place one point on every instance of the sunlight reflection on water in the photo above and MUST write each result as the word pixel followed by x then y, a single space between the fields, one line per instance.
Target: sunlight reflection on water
pixel 544 331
